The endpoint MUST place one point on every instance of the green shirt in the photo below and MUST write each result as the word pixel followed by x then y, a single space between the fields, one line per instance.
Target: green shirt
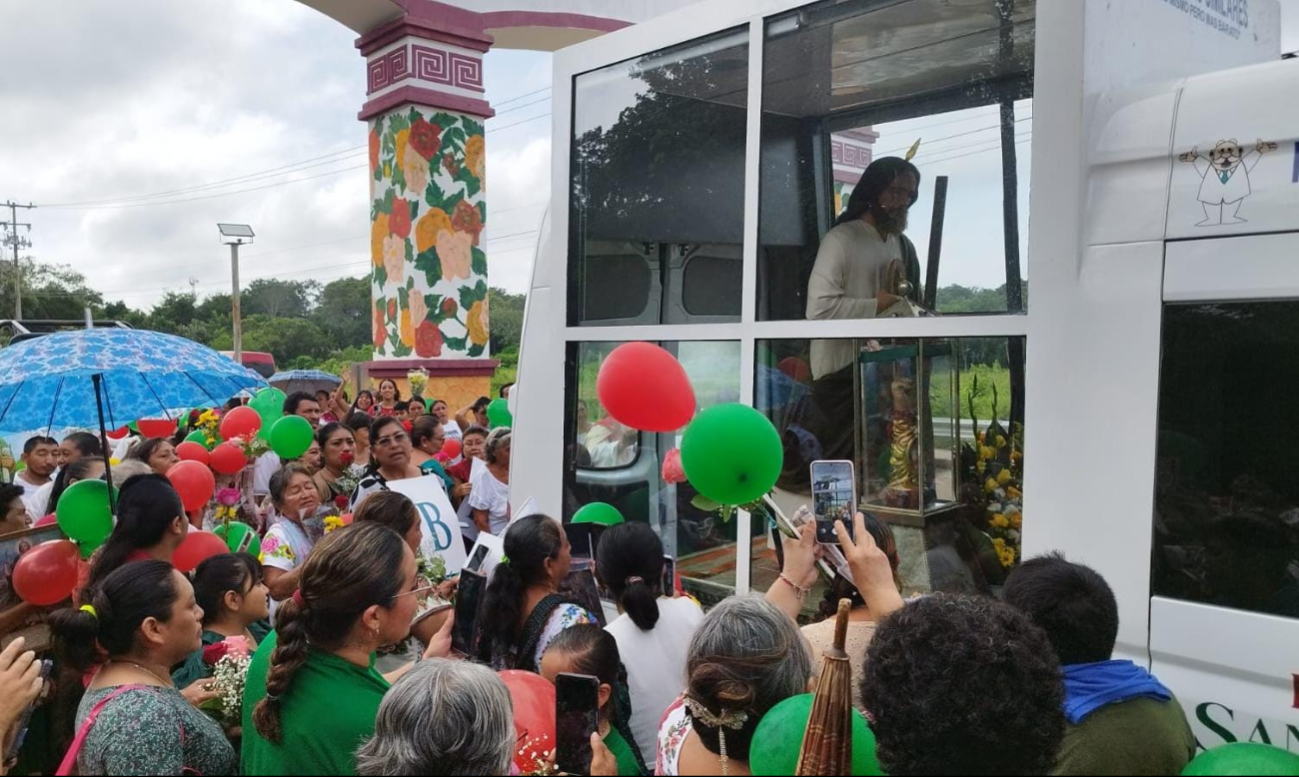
pixel 194 669
pixel 434 467
pixel 1138 737
pixel 327 713
pixel 627 766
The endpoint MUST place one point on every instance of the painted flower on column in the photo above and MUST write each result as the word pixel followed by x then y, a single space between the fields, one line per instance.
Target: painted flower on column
pixel 401 141
pixel 467 219
pixel 378 231
pixel 407 329
pixel 399 222
pixel 428 340
pixel 416 170
pixel 476 156
pixel 394 258
pixel 375 144
pixel 477 323
pixel 425 138
pixel 430 224
pixel 380 332
pixel 456 251
pixel 418 308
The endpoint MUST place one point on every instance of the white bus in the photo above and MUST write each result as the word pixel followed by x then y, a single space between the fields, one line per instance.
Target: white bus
pixel 1107 228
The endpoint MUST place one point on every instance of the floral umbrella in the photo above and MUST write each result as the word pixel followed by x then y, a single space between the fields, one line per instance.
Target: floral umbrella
pixel 111 377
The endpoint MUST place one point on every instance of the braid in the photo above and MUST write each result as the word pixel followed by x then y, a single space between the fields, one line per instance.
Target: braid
pixel 290 654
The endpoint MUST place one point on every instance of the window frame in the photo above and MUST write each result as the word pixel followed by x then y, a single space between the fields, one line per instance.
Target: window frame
pixel 706 19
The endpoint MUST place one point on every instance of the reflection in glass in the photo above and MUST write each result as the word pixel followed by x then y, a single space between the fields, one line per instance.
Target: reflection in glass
pixel 1226 524
pixel 658 186
pixel 849 84
pixel 625 468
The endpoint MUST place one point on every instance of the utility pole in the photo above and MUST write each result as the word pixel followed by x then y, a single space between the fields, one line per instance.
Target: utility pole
pixel 236 235
pixel 17 242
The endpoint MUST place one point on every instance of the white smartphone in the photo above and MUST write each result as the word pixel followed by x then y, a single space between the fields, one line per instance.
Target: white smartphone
pixel 834 498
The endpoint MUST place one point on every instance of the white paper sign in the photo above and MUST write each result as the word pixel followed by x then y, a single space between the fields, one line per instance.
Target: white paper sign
pixel 491 548
pixel 438 523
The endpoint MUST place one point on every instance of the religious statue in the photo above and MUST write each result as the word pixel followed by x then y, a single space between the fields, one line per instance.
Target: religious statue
pixel 904 484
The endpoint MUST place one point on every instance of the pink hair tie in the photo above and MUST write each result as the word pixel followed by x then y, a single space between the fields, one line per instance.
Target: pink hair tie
pixel 297 598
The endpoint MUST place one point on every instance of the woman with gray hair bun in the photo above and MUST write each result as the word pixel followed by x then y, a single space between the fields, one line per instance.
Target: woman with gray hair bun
pixel 746 657
pixel 443 717
pixel 490 498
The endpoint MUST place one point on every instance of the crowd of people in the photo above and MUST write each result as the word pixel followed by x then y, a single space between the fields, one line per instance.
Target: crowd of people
pixel 350 671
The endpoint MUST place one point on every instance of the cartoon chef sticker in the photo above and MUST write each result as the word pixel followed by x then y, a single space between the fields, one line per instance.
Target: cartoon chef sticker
pixel 1226 179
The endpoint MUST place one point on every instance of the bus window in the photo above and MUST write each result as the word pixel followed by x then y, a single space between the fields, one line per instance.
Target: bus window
pixel 895 80
pixel 1226 522
pixel 606 462
pixel 965 455
pixel 658 172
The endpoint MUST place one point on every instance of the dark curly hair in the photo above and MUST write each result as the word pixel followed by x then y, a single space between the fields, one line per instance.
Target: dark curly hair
pixel 963 685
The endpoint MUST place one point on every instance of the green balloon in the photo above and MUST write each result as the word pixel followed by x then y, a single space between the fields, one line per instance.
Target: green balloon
pixel 84 513
pixel 269 404
pixel 200 438
pixel 498 414
pixel 291 437
pixel 599 512
pixel 779 738
pixel 1243 758
pixel 239 537
pixel 732 454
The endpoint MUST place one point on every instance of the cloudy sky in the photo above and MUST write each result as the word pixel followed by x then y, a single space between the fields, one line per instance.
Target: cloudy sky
pixel 229 110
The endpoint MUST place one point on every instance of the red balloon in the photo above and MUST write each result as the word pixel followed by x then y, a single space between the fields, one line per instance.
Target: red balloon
pixel 240 422
pixel 192 451
pixel 534 715
pixel 46 574
pixel 158 427
pixel 645 387
pixel 118 434
pixel 452 448
pixel 48 520
pixel 197 547
pixel 194 482
pixel 228 459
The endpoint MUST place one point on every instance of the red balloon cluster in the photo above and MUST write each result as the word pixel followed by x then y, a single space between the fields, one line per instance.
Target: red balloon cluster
pixel 645 387
pixel 197 547
pixel 194 482
pixel 228 459
pixel 46 574
pixel 158 427
pixel 241 422
pixel 534 715
pixel 192 451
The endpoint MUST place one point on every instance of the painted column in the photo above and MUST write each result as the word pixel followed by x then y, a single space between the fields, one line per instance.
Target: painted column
pixel 428 203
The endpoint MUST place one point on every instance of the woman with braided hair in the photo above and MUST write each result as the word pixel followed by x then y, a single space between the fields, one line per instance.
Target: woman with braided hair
pixel 312 692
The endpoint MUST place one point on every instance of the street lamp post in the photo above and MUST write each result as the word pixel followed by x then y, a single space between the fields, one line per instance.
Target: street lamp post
pixel 235 235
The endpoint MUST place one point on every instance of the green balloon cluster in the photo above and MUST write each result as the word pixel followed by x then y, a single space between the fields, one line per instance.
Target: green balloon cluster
pixel 291 437
pixel 239 537
pixel 498 414
pixel 599 513
pixel 1244 758
pixel 732 454
pixel 85 514
pixel 269 404
pixel 779 738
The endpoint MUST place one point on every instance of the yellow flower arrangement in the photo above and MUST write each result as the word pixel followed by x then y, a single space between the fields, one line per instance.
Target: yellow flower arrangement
pixel 333 523
pixel 990 485
pixel 1003 477
pixel 1016 521
pixel 1014 493
pixel 1000 521
pixel 1001 441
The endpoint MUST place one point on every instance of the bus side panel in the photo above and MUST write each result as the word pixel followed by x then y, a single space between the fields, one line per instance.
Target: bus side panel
pixel 1233 689
pixel 1091 407
pixel 539 423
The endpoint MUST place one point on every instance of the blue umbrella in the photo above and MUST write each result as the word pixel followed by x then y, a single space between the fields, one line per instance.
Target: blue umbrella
pixel 110 377
pixel 310 381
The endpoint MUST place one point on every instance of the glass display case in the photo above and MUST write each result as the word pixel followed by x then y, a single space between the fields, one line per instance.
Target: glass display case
pixel 910 435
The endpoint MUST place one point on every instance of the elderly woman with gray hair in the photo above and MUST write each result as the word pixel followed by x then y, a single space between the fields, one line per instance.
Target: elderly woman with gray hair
pixel 746 657
pixel 442 717
pixel 489 500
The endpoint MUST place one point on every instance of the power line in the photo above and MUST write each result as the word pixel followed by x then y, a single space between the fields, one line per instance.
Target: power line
pixel 516 98
pixel 519 107
pixel 221 194
pixel 517 123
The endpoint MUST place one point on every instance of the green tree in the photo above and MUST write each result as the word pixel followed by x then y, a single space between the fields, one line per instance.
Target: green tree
pixel 286 339
pixel 279 299
pixel 50 291
pixel 507 320
pixel 343 312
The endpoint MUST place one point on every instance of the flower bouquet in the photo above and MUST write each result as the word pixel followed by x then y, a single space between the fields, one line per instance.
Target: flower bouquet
pixel 418 381
pixel 229 660
pixel 996 463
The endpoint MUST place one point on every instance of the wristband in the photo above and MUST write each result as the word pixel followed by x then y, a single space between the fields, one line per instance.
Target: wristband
pixel 798 589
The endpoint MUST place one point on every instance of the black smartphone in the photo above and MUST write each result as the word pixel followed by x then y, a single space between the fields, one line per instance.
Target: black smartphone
pixel 577 717
pixel 47 669
pixel 834 498
pixel 475 562
pixel 669 576
pixel 469 597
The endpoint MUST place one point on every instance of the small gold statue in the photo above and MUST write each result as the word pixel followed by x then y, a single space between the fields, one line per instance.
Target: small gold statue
pixel 904 483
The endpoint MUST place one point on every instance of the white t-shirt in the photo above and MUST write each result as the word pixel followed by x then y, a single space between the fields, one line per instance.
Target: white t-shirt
pixel 38 501
pixel 493 496
pixel 265 468
pixel 30 491
pixel 656 663
pixel 851 267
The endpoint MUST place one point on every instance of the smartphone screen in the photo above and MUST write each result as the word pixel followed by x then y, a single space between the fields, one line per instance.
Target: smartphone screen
pixel 834 498
pixel 669 576
pixel 469 596
pixel 577 716
pixel 475 561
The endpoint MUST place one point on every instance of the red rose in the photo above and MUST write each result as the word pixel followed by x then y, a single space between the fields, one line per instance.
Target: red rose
pixel 341 501
pixel 380 329
pixel 428 340
pixel 424 138
pixel 392 308
pixel 449 307
pixel 672 470
pixel 399 221
pixel 466 218
pixel 214 653
pixel 451 165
